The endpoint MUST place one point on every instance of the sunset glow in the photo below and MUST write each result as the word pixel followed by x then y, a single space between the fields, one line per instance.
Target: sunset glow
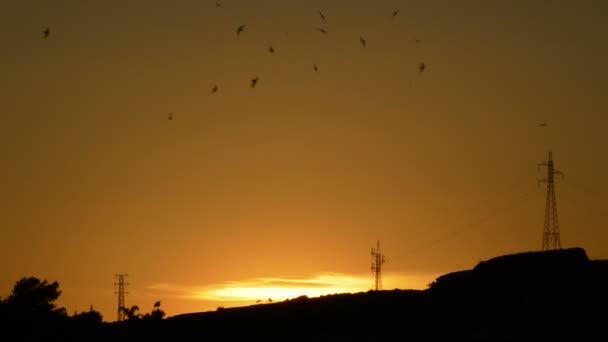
pixel 280 289
pixel 149 138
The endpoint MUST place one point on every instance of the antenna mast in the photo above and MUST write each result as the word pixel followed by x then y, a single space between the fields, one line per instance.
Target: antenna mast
pixel 121 295
pixel 377 260
pixel 551 238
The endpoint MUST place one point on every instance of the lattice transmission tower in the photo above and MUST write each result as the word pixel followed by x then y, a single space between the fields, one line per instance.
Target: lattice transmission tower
pixel 551 238
pixel 377 260
pixel 121 295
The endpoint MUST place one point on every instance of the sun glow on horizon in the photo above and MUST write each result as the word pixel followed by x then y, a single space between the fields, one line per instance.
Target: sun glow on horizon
pixel 281 289
pixel 277 289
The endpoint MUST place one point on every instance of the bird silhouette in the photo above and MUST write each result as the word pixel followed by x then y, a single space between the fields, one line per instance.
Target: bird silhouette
pixel 214 89
pixel 363 42
pixel 254 81
pixel 171 116
pixel 395 13
pixel 322 17
pixel 46 32
pixel 157 304
pixel 218 4
pixel 240 29
pixel 322 30
pixel 542 124
pixel 271 49
pixel 421 67
pixel 315 67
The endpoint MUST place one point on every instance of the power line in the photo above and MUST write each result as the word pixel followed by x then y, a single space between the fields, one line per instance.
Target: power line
pixel 516 202
pixel 584 189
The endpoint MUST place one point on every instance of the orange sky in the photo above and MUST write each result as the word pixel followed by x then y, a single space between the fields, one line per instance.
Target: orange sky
pixel 289 184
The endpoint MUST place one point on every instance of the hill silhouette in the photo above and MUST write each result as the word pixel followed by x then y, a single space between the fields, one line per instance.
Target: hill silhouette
pixel 534 295
pixel 551 295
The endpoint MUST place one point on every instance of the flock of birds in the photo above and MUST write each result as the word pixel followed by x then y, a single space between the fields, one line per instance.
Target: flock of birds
pixel 254 81
pixel 241 29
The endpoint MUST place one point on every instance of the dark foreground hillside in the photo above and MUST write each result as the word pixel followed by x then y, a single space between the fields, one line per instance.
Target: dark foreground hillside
pixel 536 295
pixel 540 296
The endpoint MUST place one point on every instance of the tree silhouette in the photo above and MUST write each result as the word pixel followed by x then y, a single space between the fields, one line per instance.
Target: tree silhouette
pixel 30 313
pixel 31 296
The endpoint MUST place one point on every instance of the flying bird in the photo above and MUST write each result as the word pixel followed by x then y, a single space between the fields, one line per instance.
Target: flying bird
pixel 322 30
pixel 254 81
pixel 315 67
pixel 271 49
pixel 218 4
pixel 214 89
pixel 46 32
pixel 363 42
pixel 421 67
pixel 157 304
pixel 240 29
pixel 171 116
pixel 542 124
pixel 322 17
pixel 395 13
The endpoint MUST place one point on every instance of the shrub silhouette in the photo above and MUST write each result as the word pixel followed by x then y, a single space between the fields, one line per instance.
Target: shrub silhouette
pixel 90 317
pixel 156 314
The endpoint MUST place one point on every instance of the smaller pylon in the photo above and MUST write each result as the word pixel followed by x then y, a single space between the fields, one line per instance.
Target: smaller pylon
pixel 377 260
pixel 121 295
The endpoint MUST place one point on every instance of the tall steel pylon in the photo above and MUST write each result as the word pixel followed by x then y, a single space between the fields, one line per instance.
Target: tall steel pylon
pixel 551 238
pixel 121 295
pixel 377 260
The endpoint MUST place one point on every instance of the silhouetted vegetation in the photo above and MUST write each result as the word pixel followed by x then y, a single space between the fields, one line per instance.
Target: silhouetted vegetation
pixel 536 295
pixel 88 318
pixel 32 297
pixel 30 310
pixel 132 313
pixel 30 313
pixel 156 314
